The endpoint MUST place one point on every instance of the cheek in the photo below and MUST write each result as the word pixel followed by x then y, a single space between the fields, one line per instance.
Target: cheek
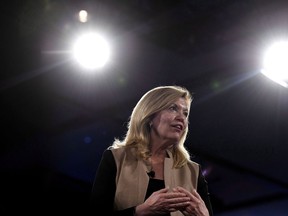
pixel 166 119
pixel 161 121
pixel 186 123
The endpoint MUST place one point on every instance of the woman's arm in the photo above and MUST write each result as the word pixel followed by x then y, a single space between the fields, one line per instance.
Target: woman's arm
pixel 202 189
pixel 104 187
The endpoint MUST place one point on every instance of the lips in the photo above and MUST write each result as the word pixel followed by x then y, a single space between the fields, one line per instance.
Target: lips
pixel 178 126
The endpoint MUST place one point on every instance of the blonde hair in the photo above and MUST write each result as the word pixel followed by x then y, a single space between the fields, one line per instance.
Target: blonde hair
pixel 138 133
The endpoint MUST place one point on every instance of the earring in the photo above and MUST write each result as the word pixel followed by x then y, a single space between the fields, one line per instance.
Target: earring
pixel 151 124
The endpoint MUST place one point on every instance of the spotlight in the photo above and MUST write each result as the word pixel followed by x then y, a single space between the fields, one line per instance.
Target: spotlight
pixel 91 51
pixel 276 63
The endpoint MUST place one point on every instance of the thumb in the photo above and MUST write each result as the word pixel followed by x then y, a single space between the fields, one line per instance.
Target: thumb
pixel 164 190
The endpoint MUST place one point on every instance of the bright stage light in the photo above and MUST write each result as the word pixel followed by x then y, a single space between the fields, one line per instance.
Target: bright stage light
pixel 91 51
pixel 83 16
pixel 276 63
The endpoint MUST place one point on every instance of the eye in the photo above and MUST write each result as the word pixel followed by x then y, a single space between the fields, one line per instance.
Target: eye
pixel 173 107
pixel 185 113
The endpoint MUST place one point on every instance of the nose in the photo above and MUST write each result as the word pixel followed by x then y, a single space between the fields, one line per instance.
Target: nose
pixel 181 116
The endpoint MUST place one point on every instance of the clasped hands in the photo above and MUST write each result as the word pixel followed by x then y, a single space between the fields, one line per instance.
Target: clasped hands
pixel 178 199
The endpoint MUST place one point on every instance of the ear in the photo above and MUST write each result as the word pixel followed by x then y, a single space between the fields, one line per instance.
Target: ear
pixel 150 124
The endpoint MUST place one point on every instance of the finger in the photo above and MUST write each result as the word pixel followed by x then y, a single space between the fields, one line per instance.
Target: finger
pixel 164 190
pixel 175 195
pixel 176 200
pixel 179 205
pixel 182 190
pixel 196 194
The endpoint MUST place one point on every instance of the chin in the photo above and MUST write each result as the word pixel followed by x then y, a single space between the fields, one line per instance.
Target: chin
pixel 175 140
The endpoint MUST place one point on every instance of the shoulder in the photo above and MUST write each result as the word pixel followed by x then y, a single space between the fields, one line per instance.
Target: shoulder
pixel 193 163
pixel 194 166
pixel 117 151
pixel 123 152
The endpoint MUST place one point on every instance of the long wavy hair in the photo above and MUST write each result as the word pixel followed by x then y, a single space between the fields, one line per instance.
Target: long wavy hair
pixel 138 133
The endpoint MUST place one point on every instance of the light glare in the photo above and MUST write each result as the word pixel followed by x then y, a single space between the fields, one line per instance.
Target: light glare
pixel 276 63
pixel 91 51
pixel 83 16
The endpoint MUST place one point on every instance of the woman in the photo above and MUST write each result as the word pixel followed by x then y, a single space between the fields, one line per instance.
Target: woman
pixel 149 172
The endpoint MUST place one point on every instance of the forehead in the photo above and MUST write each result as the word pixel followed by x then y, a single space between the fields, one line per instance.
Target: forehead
pixel 182 102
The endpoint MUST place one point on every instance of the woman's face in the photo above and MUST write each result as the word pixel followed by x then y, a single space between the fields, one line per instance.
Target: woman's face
pixel 170 123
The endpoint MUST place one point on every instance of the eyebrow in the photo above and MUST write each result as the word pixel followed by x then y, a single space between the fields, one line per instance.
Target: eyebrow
pixel 185 108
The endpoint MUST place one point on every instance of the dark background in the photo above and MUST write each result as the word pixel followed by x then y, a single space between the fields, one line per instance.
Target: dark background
pixel 57 118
